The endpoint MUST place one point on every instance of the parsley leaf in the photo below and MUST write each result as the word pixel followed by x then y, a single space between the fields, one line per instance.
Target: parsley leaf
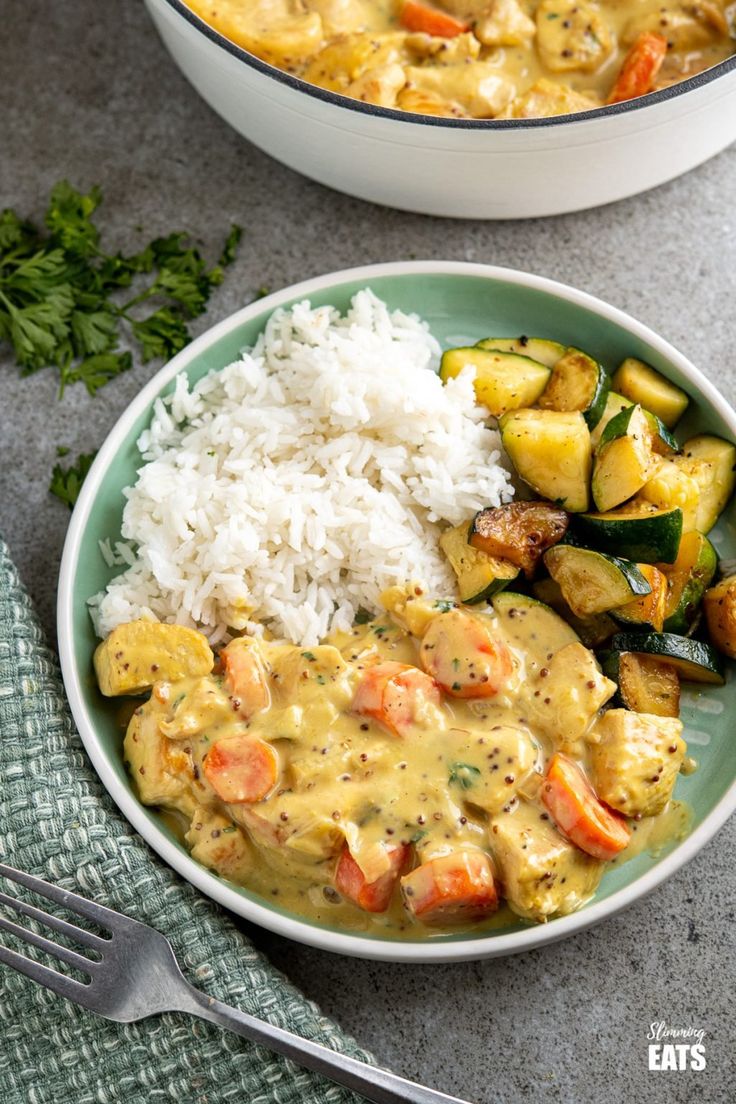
pixel 60 292
pixel 67 483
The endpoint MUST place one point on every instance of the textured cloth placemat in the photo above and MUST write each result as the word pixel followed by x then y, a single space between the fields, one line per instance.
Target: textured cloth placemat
pixel 58 822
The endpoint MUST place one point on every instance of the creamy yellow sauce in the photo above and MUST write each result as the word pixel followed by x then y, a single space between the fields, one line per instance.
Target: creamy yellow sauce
pixel 464 775
pixel 517 58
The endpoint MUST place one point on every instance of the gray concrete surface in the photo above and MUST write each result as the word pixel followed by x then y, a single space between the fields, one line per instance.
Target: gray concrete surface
pixel 88 92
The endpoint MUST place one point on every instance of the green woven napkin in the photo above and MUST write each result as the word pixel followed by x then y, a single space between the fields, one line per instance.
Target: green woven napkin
pixel 57 821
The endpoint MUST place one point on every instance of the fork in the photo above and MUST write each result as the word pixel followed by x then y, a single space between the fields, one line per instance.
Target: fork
pixel 136 975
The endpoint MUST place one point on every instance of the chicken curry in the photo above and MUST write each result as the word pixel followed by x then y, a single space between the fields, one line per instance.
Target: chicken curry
pixel 481 59
pixel 405 777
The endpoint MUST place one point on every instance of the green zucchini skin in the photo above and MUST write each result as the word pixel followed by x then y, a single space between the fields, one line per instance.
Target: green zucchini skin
pixel 662 440
pixel 650 538
pixel 595 411
pixel 694 660
pixel 683 617
pixel 541 349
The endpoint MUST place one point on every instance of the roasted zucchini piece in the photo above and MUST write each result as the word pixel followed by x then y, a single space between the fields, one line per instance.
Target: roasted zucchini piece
pixel 520 532
pixel 671 486
pixel 615 403
pixel 478 574
pixel 550 450
pixel 503 381
pixel 592 582
pixel 687 581
pixel 638 531
pixel 693 660
pixel 541 349
pixel 645 684
pixel 645 385
pixel 624 459
pixel 551 633
pixel 711 461
pixel 593 630
pixel 662 440
pixel 636 761
pixel 719 604
pixel 648 610
pixel 139 653
pixel 577 383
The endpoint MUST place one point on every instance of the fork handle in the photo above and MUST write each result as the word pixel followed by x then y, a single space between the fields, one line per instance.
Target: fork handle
pixel 376 1085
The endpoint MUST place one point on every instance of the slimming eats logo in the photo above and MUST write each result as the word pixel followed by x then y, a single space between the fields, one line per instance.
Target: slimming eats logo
pixel 676 1048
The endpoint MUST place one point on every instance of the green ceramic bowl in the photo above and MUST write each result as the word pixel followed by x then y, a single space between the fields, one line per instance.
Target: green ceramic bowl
pixel 462 303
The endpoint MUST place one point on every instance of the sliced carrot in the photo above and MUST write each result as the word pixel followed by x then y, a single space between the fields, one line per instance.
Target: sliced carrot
pixel 579 814
pixel 640 67
pixel 462 654
pixel 421 17
pixel 452 887
pixel 371 896
pixel 394 694
pixel 241 768
pixel 245 677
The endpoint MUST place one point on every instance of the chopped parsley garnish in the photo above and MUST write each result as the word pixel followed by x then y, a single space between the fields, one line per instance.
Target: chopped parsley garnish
pixel 66 483
pixel 463 774
pixel 62 301
pixel 444 605
pixel 363 616
pixel 310 656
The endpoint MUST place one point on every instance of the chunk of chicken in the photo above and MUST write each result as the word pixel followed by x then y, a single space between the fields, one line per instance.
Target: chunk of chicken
pixel 505 24
pixel 345 16
pixel 572 34
pixel 542 874
pixel 279 31
pixel 687 26
pixel 489 774
pixel 636 760
pixel 217 843
pixel 378 86
pixel 348 57
pixel 545 99
pixel 566 695
pixel 446 51
pixel 139 653
pixel 428 103
pixel 163 769
pixel 478 89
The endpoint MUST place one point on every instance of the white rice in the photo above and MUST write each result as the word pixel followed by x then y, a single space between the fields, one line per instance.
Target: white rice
pixel 293 486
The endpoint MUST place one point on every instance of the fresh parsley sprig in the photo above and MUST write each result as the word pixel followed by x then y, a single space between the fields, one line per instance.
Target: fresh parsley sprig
pixel 66 483
pixel 61 296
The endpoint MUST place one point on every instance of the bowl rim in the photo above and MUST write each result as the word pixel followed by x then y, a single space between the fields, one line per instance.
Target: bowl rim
pixel 478 947
pixel 690 84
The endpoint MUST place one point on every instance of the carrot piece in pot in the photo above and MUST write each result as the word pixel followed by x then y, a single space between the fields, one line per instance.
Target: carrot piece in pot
pixel 461 652
pixel 245 677
pixel 370 896
pixel 241 769
pixel 578 812
pixel 459 886
pixel 640 67
pixel 421 17
pixel 394 694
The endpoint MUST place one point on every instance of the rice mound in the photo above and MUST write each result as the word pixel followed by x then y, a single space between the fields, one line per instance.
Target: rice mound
pixel 293 486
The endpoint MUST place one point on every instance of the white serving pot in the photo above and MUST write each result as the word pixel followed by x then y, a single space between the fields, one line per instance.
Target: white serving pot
pixel 494 169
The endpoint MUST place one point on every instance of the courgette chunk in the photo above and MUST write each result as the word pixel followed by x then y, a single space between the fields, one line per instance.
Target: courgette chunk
pixel 503 381
pixel 647 611
pixel 592 582
pixel 538 348
pixel 615 403
pixel 550 450
pixel 694 660
pixel 577 383
pixel 687 581
pixel 593 630
pixel 645 684
pixel 520 532
pixel 719 605
pixel 536 628
pixel 638 531
pixel 670 486
pixel 478 574
pixel 712 463
pixel 645 385
pixel 624 458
